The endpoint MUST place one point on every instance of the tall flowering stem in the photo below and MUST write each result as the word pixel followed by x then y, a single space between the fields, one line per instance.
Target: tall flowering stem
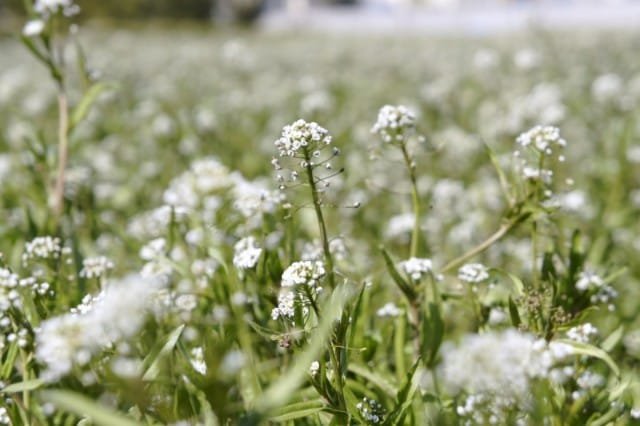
pixel 415 201
pixel 63 152
pixel 396 125
pixel 317 205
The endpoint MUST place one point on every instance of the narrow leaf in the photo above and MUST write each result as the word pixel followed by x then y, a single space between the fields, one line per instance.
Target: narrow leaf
pixel 590 350
pixel 82 406
pixel 27 385
pixel 404 286
pixel 151 362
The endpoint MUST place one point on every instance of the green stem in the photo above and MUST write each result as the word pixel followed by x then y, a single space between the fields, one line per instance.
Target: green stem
pixel 415 200
pixel 501 232
pixel 320 218
pixel 330 273
pixel 63 152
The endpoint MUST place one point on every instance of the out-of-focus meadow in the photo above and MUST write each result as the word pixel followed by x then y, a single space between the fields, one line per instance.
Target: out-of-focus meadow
pixel 455 242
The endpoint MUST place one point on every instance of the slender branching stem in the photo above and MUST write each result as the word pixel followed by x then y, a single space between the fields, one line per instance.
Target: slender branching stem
pixel 501 232
pixel 330 272
pixel 63 153
pixel 415 200
pixel 320 218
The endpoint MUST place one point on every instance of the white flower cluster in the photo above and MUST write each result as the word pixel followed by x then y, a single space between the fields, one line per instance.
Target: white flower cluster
pixel 301 135
pixel 95 267
pixel 416 268
pixel 50 7
pixel 545 139
pixel 42 248
pixel 500 363
pixel 205 176
pixel 74 338
pixel 286 306
pixel 473 273
pixel 303 272
pixel 588 280
pixel 314 368
pixel 394 123
pixel 601 292
pixel 371 410
pixel 246 253
pixel 539 142
pixel 583 333
pixel 389 310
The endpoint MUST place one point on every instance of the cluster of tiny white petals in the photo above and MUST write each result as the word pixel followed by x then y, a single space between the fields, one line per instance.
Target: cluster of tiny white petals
pixel 416 268
pixel 394 123
pixel 246 253
pixel 42 248
pixel 583 333
pixel 303 272
pixel 538 143
pixel 46 8
pixel 299 135
pixel 204 177
pixel 500 363
pixel 473 273
pixel 314 368
pixel 286 306
pixel 371 411
pixel 72 339
pixel 95 267
pixel 544 139
pixel 33 28
pixel 389 310
pixel 588 280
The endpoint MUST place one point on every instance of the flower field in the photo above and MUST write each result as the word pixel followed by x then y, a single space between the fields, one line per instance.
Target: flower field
pixel 201 227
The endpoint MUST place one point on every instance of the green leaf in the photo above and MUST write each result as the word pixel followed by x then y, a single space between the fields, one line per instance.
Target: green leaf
pixel 82 406
pixel 432 333
pixel 513 312
pixel 613 339
pixel 27 385
pixel 150 364
pixel 82 109
pixel 406 288
pixel 374 379
pixel 283 389
pixel 404 398
pixel 590 350
pixel 297 410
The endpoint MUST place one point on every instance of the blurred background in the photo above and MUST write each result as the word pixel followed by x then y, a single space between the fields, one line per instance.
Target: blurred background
pixel 427 15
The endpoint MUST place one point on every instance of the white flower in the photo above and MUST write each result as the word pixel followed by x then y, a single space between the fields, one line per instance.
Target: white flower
pixel 49 7
pixel 286 306
pixel 588 280
pixel 473 273
pixel 154 249
pixel 314 368
pixel 303 272
pixel 95 267
pixel 42 248
pixel 389 310
pixel 394 123
pixel 116 314
pixel 499 363
pixel 582 333
pixel 246 253
pixel 301 135
pixel 33 28
pixel 544 139
pixel 416 268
